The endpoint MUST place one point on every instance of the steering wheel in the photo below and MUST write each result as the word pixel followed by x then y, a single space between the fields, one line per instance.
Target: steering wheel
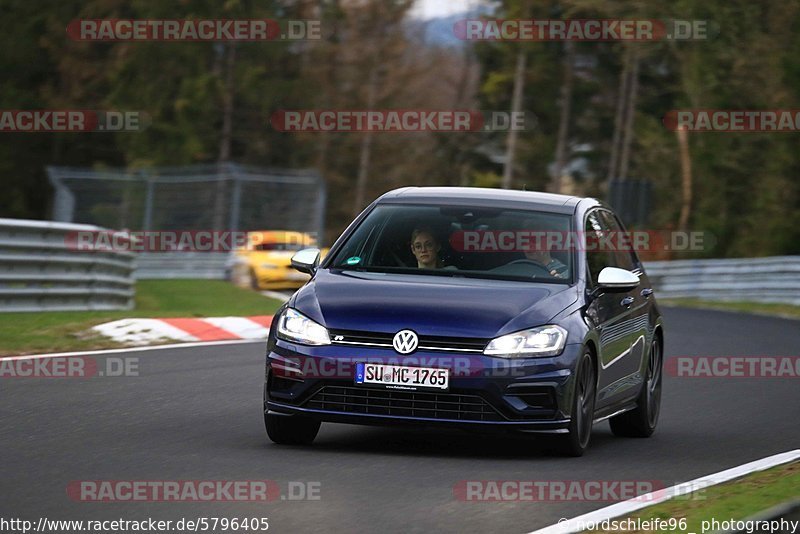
pixel 536 264
pixel 400 262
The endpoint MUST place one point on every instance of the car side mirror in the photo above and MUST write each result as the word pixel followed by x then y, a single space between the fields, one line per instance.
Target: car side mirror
pixel 613 279
pixel 306 260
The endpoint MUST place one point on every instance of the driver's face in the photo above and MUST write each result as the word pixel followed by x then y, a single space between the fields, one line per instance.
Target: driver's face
pixel 425 249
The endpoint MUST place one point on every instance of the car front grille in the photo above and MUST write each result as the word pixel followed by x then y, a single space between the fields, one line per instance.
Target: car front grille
pixel 375 401
pixel 437 343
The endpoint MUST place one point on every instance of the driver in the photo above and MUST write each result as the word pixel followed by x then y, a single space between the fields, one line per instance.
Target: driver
pixel 543 258
pixel 426 248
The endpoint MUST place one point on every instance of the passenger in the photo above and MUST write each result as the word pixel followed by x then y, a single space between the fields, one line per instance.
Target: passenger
pixel 426 249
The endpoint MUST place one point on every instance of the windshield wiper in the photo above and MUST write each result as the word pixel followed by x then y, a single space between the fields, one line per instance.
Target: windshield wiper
pixel 451 273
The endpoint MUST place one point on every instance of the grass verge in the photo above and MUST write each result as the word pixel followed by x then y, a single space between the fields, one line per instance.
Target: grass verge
pixel 27 333
pixel 758 308
pixel 737 499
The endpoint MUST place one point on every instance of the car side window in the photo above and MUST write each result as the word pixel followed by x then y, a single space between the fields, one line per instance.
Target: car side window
pixel 622 258
pixel 597 258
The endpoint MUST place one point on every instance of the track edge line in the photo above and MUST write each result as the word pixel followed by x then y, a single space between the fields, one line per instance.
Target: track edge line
pixel 575 524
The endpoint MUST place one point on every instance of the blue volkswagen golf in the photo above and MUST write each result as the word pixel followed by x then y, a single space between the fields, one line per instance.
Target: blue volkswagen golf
pixel 474 308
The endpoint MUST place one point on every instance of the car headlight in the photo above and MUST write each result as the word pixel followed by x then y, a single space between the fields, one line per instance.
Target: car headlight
pixel 294 326
pixel 540 341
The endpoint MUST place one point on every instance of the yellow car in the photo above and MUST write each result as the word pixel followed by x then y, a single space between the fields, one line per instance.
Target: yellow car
pixel 265 262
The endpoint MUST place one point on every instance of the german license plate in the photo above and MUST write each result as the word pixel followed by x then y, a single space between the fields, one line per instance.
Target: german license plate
pixel 401 377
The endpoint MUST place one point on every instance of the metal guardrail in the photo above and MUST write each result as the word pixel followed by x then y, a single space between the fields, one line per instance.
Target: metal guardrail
pixel 773 279
pixel 41 269
pixel 173 265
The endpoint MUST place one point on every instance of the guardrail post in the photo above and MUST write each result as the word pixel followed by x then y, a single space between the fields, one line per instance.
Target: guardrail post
pixel 236 201
pixel 147 223
pixel 64 201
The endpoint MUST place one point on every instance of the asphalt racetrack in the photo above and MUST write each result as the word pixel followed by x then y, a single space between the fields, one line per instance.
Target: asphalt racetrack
pixel 195 414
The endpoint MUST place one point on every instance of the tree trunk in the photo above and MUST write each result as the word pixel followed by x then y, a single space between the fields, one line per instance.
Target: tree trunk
pixel 613 164
pixel 629 115
pixel 328 71
pixel 686 174
pixel 227 134
pixel 366 144
pixel 516 105
pixel 563 125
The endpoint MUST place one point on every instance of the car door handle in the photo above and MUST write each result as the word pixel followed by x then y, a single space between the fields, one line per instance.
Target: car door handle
pixel 646 292
pixel 627 301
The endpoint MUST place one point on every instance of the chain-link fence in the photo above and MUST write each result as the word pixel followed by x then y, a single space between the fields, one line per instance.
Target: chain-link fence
pixel 200 197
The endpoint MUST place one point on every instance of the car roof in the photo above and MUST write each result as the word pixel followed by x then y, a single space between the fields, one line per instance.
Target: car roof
pixel 482 196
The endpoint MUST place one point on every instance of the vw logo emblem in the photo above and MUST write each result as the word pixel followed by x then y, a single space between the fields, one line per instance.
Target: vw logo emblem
pixel 405 341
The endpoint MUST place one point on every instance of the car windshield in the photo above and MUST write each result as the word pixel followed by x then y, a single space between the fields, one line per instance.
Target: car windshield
pixel 459 241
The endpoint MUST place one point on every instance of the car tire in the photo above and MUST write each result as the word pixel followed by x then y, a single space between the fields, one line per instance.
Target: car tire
pixel 291 429
pixel 575 442
pixel 641 421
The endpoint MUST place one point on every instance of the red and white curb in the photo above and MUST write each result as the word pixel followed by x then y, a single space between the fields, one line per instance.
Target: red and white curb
pixel 146 331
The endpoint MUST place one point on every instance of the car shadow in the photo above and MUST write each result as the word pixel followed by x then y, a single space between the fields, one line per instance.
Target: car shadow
pixel 443 443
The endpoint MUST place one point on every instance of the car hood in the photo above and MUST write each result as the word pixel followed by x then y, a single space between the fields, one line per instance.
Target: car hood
pixel 429 305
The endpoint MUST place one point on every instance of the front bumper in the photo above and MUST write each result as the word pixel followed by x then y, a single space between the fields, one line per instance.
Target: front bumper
pixel 532 395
